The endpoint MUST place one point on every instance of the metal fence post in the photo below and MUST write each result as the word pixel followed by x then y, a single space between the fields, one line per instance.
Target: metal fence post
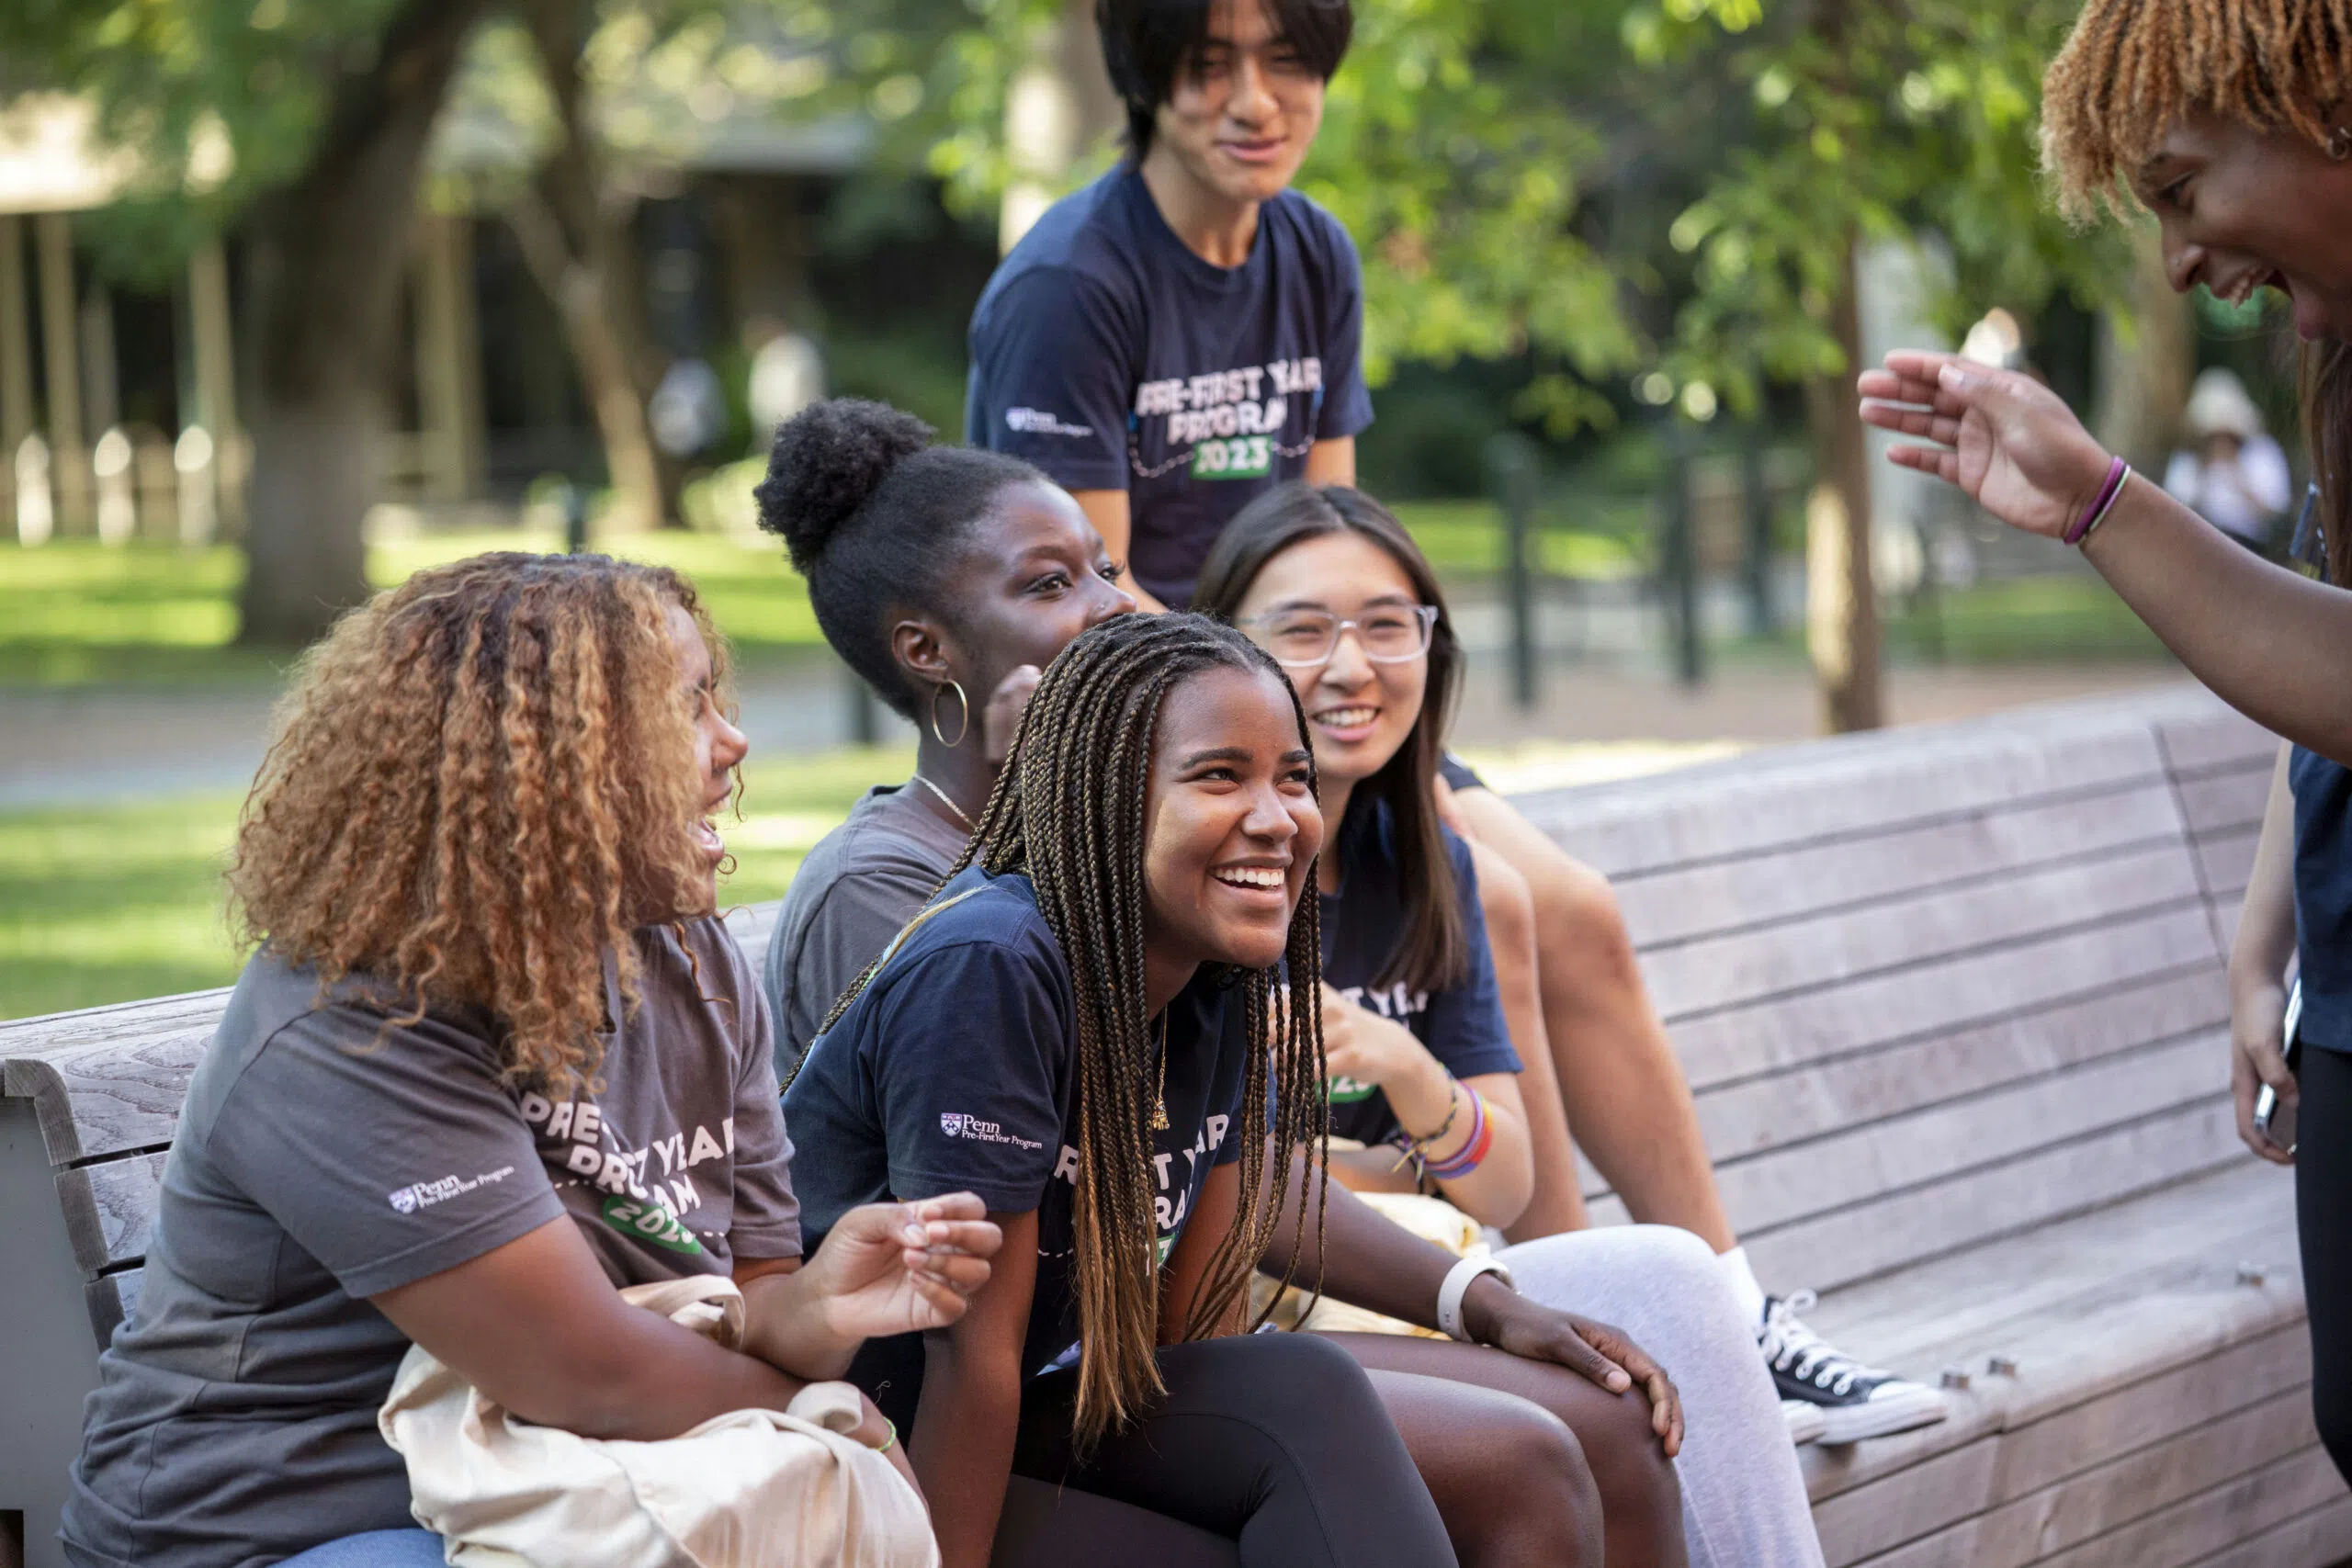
pixel 1679 559
pixel 1511 459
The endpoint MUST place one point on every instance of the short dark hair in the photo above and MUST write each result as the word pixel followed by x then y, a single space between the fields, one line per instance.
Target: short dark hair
pixel 872 515
pixel 1433 950
pixel 1145 43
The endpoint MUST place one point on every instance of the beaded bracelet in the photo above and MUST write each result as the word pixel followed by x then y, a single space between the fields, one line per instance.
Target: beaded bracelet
pixel 1473 1152
pixel 2118 471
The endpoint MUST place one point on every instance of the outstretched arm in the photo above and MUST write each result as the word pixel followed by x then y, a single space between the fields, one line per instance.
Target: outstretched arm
pixel 2269 641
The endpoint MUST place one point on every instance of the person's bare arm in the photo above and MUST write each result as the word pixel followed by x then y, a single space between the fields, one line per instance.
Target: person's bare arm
pixel 2269 641
pixel 970 1411
pixel 1107 510
pixel 1188 1263
pixel 1332 461
pixel 535 1327
pixel 2266 940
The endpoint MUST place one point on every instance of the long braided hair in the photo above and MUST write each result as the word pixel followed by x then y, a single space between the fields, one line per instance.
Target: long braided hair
pixel 1067 810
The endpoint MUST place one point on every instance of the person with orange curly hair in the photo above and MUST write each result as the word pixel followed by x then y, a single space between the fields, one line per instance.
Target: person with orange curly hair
pixel 492 1060
pixel 2229 120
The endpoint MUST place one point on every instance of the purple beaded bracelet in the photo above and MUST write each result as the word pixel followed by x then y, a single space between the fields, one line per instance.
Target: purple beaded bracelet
pixel 2118 470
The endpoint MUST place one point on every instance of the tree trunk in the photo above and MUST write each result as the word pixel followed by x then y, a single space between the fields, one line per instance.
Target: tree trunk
pixel 598 286
pixel 2145 366
pixel 325 265
pixel 1059 105
pixel 1841 610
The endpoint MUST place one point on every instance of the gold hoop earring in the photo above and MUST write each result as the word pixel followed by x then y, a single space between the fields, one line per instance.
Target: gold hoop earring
pixel 964 706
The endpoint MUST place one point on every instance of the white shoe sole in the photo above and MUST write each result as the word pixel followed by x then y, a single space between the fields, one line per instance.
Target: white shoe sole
pixel 1888 1413
pixel 1804 1421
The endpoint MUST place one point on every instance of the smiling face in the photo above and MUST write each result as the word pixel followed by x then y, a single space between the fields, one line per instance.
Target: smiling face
pixel 1230 825
pixel 1243 111
pixel 1035 574
pixel 1359 712
pixel 720 747
pixel 2243 207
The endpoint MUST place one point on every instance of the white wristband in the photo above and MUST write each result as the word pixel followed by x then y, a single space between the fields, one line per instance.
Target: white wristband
pixel 1457 1284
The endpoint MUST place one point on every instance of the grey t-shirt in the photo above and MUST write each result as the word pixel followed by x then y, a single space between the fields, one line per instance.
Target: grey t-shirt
pixel 234 1420
pixel 863 881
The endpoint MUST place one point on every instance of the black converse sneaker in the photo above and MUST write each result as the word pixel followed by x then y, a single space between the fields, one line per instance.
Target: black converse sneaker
pixel 1855 1401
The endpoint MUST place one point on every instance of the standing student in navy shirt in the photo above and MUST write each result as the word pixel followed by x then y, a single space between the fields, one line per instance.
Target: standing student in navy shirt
pixel 1182 334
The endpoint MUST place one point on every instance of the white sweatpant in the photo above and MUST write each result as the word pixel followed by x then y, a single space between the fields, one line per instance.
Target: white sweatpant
pixel 1743 1496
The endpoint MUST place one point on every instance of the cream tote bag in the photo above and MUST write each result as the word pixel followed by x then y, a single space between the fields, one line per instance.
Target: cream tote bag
pixel 750 1489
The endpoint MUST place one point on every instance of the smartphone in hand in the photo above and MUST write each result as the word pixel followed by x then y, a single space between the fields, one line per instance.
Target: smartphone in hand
pixel 2272 1120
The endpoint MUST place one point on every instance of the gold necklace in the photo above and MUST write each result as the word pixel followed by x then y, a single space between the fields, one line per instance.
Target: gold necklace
pixel 945 799
pixel 1160 1105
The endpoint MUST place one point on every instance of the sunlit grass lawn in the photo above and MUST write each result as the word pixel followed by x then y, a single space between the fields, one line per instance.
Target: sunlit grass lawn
pixel 114 903
pixel 73 611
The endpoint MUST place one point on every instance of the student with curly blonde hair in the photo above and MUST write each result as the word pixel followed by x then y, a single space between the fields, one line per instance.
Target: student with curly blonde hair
pixel 492 1060
pixel 2231 120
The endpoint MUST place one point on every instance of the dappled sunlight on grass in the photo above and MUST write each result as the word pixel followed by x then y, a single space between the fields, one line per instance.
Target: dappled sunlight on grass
pixel 113 903
pixel 73 611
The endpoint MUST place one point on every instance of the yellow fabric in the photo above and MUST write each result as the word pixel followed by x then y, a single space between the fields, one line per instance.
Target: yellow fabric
pixel 1432 1219
pixel 753 1487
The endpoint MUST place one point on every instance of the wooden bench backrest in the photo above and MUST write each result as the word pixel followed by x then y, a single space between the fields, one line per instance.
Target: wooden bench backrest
pixel 1929 986
pixel 1940 985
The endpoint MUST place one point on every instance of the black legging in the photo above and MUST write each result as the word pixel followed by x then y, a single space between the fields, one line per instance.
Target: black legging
pixel 1273 1442
pixel 2324 1222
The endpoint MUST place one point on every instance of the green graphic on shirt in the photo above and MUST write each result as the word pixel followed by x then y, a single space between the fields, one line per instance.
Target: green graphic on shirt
pixel 1242 457
pixel 1345 1090
pixel 646 1221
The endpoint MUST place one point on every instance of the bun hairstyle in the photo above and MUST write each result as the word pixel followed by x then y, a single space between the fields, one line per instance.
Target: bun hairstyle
pixel 1433 950
pixel 871 513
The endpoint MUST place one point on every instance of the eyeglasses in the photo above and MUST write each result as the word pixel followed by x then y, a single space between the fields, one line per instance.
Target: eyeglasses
pixel 1301 639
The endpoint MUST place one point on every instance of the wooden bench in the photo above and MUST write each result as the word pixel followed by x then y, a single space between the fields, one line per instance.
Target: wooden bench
pixel 1953 1002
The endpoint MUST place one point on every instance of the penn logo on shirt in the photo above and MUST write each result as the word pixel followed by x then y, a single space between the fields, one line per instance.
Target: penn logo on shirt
pixel 963 1124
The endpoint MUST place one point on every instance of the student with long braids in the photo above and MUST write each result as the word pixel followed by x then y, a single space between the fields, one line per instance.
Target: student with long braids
pixel 1079 1026
pixel 938 570
pixel 1424 1073
pixel 480 867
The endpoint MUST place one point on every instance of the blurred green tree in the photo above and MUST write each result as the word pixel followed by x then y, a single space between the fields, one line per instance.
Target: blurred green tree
pixel 1678 187
pixel 304 124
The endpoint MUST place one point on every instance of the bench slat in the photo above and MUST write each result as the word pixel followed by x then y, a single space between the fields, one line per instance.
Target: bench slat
pixel 1677 903
pixel 2308 1540
pixel 1954 1143
pixel 2189 1459
pixel 1831 1250
pixel 2224 802
pixel 2199 733
pixel 2213 1520
pixel 109 1094
pixel 1935 998
pixel 2025 903
pixel 1833 791
pixel 1747 1118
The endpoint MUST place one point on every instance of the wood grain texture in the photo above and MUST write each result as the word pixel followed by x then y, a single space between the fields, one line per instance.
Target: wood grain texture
pixel 1999 913
pixel 2316 1539
pixel 1676 903
pixel 2225 802
pixel 112 1299
pixel 1968 991
pixel 105 1093
pixel 1839 1248
pixel 2199 733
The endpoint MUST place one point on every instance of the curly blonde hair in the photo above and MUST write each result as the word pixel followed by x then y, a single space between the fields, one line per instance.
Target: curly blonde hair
pixel 2131 68
pixel 479 782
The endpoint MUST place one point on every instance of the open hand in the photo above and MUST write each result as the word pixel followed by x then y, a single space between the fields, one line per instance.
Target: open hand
pixel 898 1268
pixel 1498 1315
pixel 2008 441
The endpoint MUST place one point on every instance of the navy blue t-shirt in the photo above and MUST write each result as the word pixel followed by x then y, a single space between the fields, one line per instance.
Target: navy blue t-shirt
pixel 1111 356
pixel 2324 897
pixel 956 1070
pixel 1461 1025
